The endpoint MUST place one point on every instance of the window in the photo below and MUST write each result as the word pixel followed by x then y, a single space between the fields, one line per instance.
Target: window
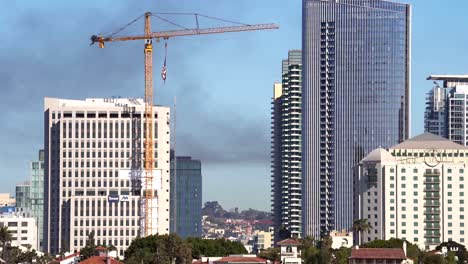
pixel 449 193
pixel 392 170
pixel 403 170
pixel 461 170
pixel 415 178
pixel 449 171
pixel 415 224
pixel 403 178
pixel 415 170
pixel 449 186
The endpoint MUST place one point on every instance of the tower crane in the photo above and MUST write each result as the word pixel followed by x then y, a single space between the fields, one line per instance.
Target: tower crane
pixel 148 194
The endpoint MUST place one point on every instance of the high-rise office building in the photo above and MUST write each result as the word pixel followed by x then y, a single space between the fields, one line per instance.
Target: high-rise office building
pixel 356 94
pixel 93 156
pixel 446 108
pixel 286 147
pixel 186 197
pixel 37 195
pixel 414 191
pixel 23 195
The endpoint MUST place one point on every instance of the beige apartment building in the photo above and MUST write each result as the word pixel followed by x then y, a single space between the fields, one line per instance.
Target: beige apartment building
pixel 416 191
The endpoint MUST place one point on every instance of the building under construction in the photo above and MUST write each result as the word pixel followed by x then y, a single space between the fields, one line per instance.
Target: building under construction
pixel 94 177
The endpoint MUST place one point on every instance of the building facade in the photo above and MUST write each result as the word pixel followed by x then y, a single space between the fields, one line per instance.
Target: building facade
pixel 23 228
pixel 23 195
pixel 446 108
pixel 37 195
pixel 356 94
pixel 93 172
pixel 7 200
pixel 286 147
pixel 186 197
pixel 415 191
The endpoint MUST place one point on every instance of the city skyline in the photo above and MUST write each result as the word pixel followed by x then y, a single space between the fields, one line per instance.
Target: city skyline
pixel 192 76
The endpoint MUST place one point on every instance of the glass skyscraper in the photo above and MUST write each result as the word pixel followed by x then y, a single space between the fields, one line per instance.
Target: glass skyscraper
pixel 37 195
pixel 186 196
pixel 446 108
pixel 356 94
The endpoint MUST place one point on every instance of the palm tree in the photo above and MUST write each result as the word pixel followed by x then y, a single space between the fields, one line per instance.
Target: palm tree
pixel 5 238
pixel 361 225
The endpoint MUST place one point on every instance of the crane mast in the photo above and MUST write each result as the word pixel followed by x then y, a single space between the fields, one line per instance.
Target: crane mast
pixel 149 133
pixel 149 194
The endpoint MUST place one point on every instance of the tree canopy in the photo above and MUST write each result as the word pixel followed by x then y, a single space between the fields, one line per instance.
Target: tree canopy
pixel 214 247
pixel 158 249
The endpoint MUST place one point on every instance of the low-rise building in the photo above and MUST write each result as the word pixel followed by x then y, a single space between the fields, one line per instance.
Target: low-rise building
pixel 262 240
pixel 7 200
pixel 23 229
pixel 289 252
pixel 414 191
pixel 341 239
pixel 379 255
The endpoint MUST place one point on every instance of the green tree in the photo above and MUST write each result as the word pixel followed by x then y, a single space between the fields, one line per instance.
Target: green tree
pixel 90 248
pixel 326 255
pixel 214 247
pixel 342 255
pixel 163 249
pixel 360 226
pixel 272 254
pixel 283 233
pixel 5 239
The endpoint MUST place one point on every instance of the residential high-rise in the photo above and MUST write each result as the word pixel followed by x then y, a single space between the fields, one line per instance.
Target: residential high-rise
pixel 37 195
pixel 356 94
pixel 415 191
pixel 93 169
pixel 186 197
pixel 446 108
pixel 286 147
pixel 23 195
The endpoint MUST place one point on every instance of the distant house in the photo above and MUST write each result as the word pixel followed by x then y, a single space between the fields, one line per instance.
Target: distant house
pixel 379 255
pixel 289 252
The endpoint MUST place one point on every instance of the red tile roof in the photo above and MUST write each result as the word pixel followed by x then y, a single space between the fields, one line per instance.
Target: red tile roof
pixel 99 260
pixel 378 253
pixel 69 256
pixel 240 260
pixel 289 242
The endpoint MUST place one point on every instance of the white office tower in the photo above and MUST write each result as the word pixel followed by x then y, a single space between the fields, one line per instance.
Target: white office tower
pixel 94 172
pixel 414 191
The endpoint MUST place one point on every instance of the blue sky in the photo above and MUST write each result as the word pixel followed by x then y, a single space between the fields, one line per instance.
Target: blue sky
pixel 223 83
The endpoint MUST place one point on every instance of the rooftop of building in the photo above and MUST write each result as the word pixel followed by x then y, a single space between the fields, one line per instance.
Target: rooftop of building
pixel 428 141
pixel 94 102
pixel 100 260
pixel 378 253
pixel 289 242
pixel 462 78
pixel 378 155
pixel 235 259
